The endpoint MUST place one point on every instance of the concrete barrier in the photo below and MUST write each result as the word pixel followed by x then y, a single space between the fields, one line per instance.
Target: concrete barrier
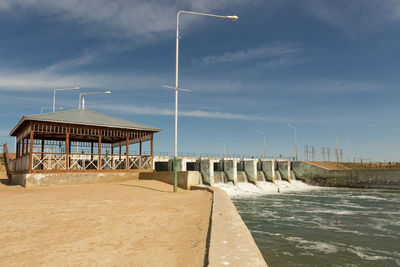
pixel 268 167
pixel 231 243
pixel 185 179
pixel 284 169
pixel 370 178
pixel 44 179
pixel 207 169
pixel 230 169
pixel 250 167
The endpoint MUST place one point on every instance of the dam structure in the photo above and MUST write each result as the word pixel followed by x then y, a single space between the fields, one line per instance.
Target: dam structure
pixel 230 169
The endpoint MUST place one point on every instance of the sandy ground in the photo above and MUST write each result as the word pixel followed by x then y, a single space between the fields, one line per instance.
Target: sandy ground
pixel 134 223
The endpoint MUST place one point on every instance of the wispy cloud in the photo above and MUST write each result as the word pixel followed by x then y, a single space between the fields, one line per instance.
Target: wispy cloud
pixel 146 110
pixel 343 86
pixel 355 15
pixel 120 18
pixel 262 52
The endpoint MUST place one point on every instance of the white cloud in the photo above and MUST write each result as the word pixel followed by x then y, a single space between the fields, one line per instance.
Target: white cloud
pixel 274 50
pixel 355 15
pixel 47 79
pixel 147 110
pixel 122 18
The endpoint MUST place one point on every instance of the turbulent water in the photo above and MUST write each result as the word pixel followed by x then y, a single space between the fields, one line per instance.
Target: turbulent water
pixel 303 225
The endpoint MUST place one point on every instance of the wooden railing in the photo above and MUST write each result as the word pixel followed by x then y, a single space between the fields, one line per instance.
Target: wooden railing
pixel 83 162
pixel 48 161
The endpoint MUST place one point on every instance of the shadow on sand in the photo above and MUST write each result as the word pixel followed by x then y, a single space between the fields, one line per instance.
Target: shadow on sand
pixel 149 188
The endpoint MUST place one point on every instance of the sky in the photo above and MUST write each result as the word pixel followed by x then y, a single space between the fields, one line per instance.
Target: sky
pixel 319 65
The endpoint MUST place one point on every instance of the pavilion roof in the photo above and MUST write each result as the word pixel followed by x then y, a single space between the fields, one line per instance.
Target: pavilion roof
pixel 85 117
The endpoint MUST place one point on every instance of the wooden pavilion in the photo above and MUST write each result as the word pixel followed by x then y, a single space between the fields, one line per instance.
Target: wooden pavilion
pixel 81 141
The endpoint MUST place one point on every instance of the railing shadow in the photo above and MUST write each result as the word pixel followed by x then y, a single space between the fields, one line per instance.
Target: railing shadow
pixel 148 188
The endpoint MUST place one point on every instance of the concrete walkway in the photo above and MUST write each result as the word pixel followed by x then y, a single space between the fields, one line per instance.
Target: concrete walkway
pixel 231 243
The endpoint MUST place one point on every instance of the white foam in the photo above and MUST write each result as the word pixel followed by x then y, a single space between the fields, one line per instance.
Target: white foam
pixel 314 245
pixel 264 188
pixel 361 252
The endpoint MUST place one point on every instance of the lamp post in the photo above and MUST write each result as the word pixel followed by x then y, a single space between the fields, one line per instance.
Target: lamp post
pixel 89 93
pixel 43 108
pixel 265 146
pixel 223 140
pixel 61 89
pixel 337 146
pixel 233 18
pixel 295 138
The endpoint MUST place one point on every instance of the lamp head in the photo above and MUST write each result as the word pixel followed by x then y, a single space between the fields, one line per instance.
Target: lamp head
pixel 233 18
pixel 107 92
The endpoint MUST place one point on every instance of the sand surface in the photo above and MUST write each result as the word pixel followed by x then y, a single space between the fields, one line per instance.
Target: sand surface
pixel 134 223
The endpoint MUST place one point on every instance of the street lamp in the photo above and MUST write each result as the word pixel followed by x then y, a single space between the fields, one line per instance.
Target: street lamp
pixel 223 140
pixel 62 89
pixel 337 146
pixel 43 108
pixel 89 93
pixel 265 146
pixel 295 138
pixel 233 18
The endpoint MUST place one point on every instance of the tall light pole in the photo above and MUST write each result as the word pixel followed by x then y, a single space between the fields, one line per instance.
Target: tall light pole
pixel 233 18
pixel 43 108
pixel 337 146
pixel 90 93
pixel 62 89
pixel 295 139
pixel 265 145
pixel 223 141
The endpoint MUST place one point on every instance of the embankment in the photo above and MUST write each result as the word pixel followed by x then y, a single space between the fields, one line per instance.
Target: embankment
pixel 363 178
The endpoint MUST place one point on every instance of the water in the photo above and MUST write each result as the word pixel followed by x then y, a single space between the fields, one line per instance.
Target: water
pixel 312 226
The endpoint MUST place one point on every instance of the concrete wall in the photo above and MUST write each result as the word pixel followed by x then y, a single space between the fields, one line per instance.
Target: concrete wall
pixel 250 167
pixel 230 169
pixel 283 167
pixel 378 178
pixel 39 179
pixel 185 179
pixel 268 167
pixel 231 243
pixel 207 170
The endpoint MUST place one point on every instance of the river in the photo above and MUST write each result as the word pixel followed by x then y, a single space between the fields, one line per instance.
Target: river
pixel 302 225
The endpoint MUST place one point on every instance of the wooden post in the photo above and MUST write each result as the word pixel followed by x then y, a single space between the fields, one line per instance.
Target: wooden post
pixel 42 155
pixel 31 151
pixel 140 147
pixel 99 162
pixel 67 151
pixel 119 150
pixel 91 151
pixel 152 156
pixel 127 152
pixel 17 152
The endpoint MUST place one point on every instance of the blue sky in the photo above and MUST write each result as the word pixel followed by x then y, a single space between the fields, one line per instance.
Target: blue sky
pixel 320 65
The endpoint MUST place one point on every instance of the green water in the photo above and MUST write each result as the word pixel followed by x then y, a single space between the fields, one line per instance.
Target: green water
pixel 325 227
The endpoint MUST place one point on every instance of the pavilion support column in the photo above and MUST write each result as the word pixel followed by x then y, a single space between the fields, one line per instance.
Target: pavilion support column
pixel 140 147
pixel 127 152
pixel 31 151
pixel 91 151
pixel 120 151
pixel 152 151
pixel 42 153
pixel 17 152
pixel 67 147
pixel 99 165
